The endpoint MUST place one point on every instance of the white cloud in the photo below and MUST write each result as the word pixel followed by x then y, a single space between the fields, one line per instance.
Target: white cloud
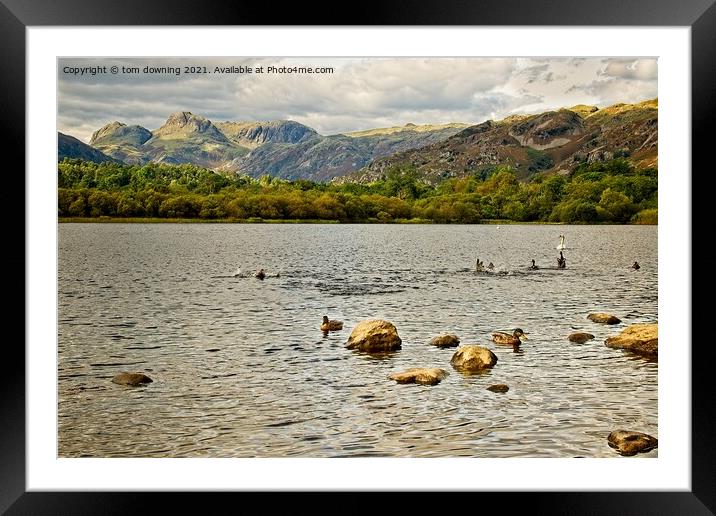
pixel 640 69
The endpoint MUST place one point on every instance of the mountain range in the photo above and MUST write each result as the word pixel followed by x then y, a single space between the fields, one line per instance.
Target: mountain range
pixel 281 148
pixel 553 141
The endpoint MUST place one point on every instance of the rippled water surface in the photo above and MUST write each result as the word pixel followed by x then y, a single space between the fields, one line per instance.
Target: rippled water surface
pixel 241 369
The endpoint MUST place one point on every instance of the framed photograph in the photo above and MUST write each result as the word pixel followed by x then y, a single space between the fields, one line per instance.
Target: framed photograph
pixel 418 253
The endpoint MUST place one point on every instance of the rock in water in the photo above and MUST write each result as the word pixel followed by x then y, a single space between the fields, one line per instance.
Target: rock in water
pixel 423 376
pixel 580 337
pixel 132 379
pixel 604 318
pixel 498 387
pixel 473 358
pixel 445 341
pixel 638 338
pixel 374 336
pixel 631 443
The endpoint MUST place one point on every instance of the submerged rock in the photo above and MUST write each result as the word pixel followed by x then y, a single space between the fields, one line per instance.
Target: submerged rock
pixel 445 341
pixel 423 376
pixel 604 318
pixel 473 358
pixel 580 337
pixel 638 338
pixel 498 387
pixel 630 443
pixel 374 335
pixel 132 379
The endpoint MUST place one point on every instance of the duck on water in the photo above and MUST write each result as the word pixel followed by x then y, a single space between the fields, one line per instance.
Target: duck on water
pixel 480 266
pixel 328 325
pixel 561 261
pixel 514 339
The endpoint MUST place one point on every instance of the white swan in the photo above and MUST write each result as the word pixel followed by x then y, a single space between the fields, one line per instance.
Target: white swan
pixel 561 246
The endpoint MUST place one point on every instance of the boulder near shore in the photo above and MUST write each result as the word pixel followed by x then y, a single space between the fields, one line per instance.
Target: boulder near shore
pixel 473 358
pixel 423 376
pixel 638 338
pixel 445 341
pixel 630 443
pixel 603 318
pixel 133 379
pixel 374 336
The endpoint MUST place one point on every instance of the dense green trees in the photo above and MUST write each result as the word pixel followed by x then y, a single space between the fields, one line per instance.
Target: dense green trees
pixel 613 192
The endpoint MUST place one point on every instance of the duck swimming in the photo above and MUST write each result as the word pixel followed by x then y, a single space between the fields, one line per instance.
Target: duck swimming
pixel 331 325
pixel 561 261
pixel 500 337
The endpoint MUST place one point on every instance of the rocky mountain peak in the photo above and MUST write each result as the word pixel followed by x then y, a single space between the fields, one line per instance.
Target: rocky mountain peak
pixel 181 118
pixel 548 130
pixel 117 133
pixel 253 134
pixel 584 110
pixel 185 123
pixel 105 131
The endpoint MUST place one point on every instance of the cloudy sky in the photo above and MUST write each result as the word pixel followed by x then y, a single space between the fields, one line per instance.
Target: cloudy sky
pixel 360 93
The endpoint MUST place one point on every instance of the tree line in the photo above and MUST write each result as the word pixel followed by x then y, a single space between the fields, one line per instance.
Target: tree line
pixel 609 192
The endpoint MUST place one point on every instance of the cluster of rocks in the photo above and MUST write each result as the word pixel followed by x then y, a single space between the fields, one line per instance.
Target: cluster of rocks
pixel 379 336
pixel 641 339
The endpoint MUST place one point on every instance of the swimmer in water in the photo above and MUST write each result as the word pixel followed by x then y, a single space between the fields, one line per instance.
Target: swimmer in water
pixel 534 266
pixel 636 266
pixel 260 274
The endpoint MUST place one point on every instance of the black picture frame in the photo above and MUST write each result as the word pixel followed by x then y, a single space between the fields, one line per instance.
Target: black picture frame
pixel 17 15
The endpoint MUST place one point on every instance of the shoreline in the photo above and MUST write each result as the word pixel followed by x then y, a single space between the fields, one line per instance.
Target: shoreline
pixel 159 220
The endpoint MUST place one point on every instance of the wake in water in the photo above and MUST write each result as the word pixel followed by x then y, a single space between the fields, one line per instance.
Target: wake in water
pixel 493 272
pixel 238 273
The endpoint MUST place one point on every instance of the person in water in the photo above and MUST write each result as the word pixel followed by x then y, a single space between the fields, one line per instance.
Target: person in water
pixel 490 266
pixel 561 261
pixel 479 266
pixel 260 274
pixel 636 266
pixel 534 266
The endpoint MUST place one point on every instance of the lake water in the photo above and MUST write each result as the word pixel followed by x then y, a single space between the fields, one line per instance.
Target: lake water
pixel 241 368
